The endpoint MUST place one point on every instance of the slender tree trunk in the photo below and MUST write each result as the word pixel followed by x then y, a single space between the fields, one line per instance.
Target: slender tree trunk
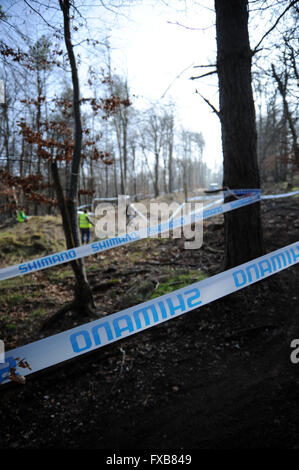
pixel 83 297
pixel 120 151
pixel 156 182
pixel 38 118
pixel 185 184
pixel 243 232
pixel 133 151
pixel 6 135
pixel 125 149
pixel 170 166
pixel 115 179
pixel 288 115
pixel 165 180
pixel 106 181
pixel 91 178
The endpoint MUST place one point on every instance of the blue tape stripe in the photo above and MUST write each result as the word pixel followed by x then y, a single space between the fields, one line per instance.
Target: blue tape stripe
pixel 103 245
pixel 93 335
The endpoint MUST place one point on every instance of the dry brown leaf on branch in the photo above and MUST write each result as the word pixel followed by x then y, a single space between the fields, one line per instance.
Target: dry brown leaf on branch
pixel 15 377
pixel 24 364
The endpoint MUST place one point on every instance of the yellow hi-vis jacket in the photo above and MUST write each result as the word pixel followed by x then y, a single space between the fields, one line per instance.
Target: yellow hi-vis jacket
pixel 83 221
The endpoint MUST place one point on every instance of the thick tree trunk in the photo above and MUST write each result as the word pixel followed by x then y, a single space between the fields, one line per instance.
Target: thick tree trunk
pixel 243 233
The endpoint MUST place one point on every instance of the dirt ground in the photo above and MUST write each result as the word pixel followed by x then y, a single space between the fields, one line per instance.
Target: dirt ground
pixel 219 377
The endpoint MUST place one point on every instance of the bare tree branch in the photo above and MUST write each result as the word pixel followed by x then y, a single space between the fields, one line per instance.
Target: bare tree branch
pixel 204 75
pixel 188 27
pixel 210 104
pixel 39 14
pixel 293 3
pixel 207 65
pixel 178 76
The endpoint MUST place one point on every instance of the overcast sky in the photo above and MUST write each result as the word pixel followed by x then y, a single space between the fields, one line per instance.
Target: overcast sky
pixel 156 40
pixel 154 45
pixel 153 42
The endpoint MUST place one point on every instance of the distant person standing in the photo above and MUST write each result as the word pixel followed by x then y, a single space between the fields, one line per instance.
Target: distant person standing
pixel 85 225
pixel 21 217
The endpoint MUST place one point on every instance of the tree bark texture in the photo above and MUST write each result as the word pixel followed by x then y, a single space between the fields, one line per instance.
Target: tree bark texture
pixel 83 295
pixel 243 231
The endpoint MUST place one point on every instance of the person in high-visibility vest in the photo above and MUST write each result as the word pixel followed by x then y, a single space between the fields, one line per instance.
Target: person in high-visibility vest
pixel 21 217
pixel 84 226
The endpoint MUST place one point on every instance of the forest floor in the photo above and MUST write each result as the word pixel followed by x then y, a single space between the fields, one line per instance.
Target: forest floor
pixel 219 377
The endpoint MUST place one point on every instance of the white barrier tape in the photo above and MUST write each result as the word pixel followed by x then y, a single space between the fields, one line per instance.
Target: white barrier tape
pixel 214 203
pixel 176 212
pixel 139 213
pixel 226 193
pixel 103 245
pixel 202 198
pixel 274 196
pixel 90 336
pixel 246 191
